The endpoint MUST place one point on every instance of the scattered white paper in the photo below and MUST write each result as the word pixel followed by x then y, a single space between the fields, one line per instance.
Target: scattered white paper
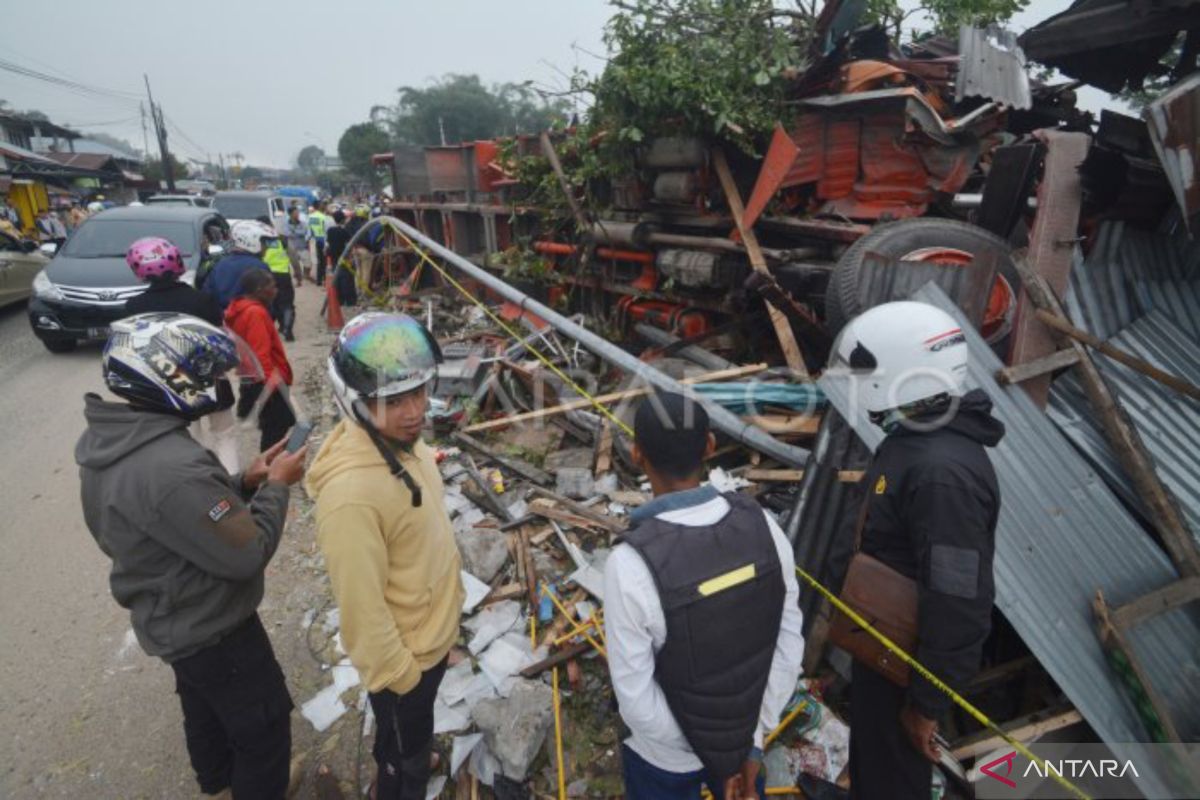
pixel 484 765
pixel 461 749
pixel 723 482
pixel 455 682
pixel 324 708
pixel 476 591
pixel 448 719
pixel 506 657
pixel 434 787
pixel 590 579
pixel 492 623
pixel 333 620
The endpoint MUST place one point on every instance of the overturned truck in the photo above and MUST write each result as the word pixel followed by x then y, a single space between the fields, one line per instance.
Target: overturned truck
pixel 940 163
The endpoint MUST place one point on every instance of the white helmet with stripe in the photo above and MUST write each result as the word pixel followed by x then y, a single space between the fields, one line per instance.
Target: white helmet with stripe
pixel 901 353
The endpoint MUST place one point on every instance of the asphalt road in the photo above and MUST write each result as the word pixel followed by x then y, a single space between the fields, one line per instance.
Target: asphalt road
pixel 83 711
pixel 71 676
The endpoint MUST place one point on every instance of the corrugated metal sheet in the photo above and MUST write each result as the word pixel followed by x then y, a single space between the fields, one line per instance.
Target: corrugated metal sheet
pixel 1172 120
pixel 1130 272
pixel 1062 535
pixel 992 66
pixel 821 525
pixel 1169 423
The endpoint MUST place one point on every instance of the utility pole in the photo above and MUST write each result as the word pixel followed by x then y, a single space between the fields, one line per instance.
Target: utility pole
pixel 161 131
pixel 145 136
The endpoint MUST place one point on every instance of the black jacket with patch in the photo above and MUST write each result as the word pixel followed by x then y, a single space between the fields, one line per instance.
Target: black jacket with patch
pixel 175 297
pixel 932 505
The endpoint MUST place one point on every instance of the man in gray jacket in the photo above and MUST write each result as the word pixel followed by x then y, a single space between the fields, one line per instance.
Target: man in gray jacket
pixel 189 543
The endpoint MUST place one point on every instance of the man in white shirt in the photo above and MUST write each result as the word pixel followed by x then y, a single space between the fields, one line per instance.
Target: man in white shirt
pixel 702 619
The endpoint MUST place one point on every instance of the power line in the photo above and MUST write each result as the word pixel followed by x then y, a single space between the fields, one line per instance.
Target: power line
pixel 65 83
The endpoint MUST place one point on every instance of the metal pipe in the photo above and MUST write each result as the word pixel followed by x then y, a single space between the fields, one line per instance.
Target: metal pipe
pixel 697 355
pixel 564 249
pixel 723 420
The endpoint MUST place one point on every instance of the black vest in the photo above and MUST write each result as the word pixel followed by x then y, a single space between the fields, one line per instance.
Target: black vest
pixel 721 589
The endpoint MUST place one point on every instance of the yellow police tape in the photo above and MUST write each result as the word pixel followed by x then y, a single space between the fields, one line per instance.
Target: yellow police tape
pixel 958 699
pixel 837 603
pixel 508 329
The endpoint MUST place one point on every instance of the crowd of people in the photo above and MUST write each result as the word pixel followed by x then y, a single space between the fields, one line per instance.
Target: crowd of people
pixel 704 650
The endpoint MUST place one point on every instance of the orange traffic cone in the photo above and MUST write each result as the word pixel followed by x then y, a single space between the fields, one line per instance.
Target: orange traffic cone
pixel 334 319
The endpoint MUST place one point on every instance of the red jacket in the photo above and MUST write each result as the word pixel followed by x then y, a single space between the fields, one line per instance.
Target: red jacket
pixel 252 321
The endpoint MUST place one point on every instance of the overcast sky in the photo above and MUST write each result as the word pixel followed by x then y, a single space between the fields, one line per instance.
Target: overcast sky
pixel 267 78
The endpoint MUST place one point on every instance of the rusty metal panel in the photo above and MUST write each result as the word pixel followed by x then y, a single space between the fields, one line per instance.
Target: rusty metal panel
pixel 447 169
pixel 992 66
pixel 1174 122
pixel 810 139
pixel 486 170
pixel 410 177
pixel 841 157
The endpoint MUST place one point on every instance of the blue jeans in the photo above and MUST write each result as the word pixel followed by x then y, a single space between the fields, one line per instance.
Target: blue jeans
pixel 644 781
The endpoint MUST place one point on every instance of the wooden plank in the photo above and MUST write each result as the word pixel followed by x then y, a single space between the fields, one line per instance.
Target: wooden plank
pixel 1051 246
pixel 604 444
pixel 552 156
pixel 1113 641
pixel 566 654
pixel 527 471
pixel 1116 354
pixel 1169 597
pixel 779 425
pixel 1000 673
pixel 774 475
pixel 1123 437
pixel 1018 373
pixel 548 499
pixel 783 328
pixel 612 397
pixel 1023 729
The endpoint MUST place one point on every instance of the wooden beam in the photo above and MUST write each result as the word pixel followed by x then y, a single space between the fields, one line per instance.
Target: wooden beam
pixel 780 425
pixel 783 328
pixel 552 506
pixel 1051 247
pixel 774 475
pixel 612 397
pixel 556 165
pixel 1113 640
pixel 527 471
pixel 1023 729
pixel 566 654
pixel 1116 354
pixel 1123 437
pixel 1000 673
pixel 1169 597
pixel 1017 373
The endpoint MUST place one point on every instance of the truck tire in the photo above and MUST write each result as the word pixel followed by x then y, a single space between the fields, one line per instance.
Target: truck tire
pixel 915 239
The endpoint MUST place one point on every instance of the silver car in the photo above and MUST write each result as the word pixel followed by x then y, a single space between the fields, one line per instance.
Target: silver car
pixel 20 262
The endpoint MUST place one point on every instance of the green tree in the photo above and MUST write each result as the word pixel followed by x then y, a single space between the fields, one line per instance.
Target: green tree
pixel 358 144
pixel 460 108
pixel 250 174
pixel 310 158
pixel 154 169
pixel 945 15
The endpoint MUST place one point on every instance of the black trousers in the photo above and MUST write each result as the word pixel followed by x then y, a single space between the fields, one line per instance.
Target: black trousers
pixel 404 737
pixel 343 282
pixel 320 247
pixel 882 762
pixel 275 418
pixel 283 309
pixel 236 715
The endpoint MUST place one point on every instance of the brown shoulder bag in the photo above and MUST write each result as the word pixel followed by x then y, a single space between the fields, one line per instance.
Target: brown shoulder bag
pixel 885 599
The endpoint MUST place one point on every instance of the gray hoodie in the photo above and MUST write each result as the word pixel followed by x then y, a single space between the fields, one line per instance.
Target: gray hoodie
pixel 188 549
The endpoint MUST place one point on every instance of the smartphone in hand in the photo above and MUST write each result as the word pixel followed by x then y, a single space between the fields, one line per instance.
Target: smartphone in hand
pixel 300 434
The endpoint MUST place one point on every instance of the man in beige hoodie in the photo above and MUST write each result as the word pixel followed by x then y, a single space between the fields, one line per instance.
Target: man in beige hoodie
pixel 387 540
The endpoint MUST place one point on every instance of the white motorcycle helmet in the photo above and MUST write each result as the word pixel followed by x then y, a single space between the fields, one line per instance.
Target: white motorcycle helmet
pixel 901 354
pixel 247 235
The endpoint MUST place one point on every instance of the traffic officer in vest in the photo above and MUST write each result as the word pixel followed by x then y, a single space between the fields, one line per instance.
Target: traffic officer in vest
pixel 283 309
pixel 317 222
pixel 702 618
pixel 932 504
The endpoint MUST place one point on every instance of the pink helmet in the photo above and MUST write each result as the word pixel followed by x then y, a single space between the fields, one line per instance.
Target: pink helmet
pixel 154 257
